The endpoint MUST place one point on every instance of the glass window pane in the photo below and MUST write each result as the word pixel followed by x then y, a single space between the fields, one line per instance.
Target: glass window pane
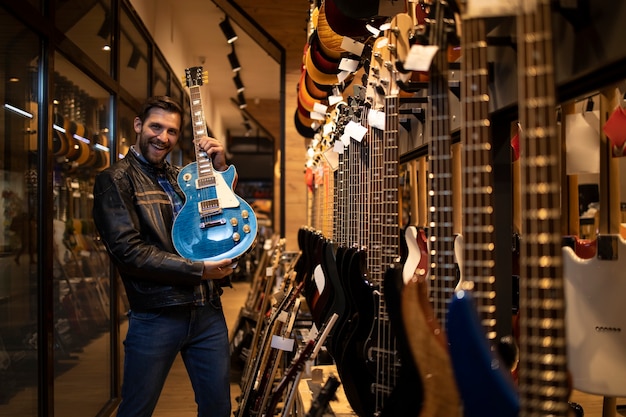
pixel 81 265
pixel 133 59
pixel 18 218
pixel 88 25
pixel 161 77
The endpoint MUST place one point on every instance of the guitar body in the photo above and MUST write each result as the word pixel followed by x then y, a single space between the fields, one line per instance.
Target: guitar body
pixel 483 380
pixel 228 234
pixel 595 319
pixel 352 363
pixel 406 397
pixel 425 338
pixel 337 304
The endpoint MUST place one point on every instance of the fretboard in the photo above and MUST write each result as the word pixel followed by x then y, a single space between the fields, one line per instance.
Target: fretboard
pixel 443 265
pixel 543 379
pixel 206 176
pixel 478 202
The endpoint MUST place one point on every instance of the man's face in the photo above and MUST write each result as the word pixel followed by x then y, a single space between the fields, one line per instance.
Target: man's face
pixel 157 135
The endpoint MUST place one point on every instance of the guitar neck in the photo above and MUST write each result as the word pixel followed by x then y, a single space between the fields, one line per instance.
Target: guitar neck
pixel 198 123
pixel 478 201
pixel 443 267
pixel 543 378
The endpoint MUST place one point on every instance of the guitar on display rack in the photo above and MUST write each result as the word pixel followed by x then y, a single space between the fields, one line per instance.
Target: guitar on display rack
pixel 485 385
pixel 430 271
pixel 594 288
pixel 543 378
pixel 214 222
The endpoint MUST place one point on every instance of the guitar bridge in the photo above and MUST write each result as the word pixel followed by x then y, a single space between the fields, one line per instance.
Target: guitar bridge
pixel 212 223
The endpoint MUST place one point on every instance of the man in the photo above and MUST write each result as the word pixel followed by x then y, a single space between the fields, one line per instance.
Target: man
pixel 174 302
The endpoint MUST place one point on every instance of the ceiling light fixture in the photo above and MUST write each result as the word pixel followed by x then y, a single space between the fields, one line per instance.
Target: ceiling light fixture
pixel 242 101
pixel 238 83
pixel 133 61
pixel 228 30
pixel 234 62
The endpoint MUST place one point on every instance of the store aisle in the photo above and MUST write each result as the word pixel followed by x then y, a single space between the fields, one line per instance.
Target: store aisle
pixel 177 396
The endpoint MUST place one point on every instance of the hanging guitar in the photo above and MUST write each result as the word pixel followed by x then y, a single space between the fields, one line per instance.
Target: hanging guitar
pixel 214 223
pixel 594 286
pixel 484 382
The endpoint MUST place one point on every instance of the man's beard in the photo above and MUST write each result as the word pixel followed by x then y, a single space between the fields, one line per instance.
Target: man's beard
pixel 145 145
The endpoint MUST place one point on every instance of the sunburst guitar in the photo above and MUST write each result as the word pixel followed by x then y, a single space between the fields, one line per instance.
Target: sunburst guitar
pixel 214 222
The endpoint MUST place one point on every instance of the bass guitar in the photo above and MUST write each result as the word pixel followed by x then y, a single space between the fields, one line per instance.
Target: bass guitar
pixel 485 385
pixel 214 222
pixel 542 339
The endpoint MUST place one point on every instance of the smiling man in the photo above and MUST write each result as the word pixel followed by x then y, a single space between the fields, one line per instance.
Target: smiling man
pixel 174 302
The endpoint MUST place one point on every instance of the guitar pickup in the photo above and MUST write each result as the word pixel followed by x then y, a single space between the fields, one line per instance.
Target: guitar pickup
pixel 212 223
pixel 209 207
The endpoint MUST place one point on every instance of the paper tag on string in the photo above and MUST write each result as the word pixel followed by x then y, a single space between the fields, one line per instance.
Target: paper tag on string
pixel 332 100
pixel 582 142
pixel 376 119
pixel 341 77
pixel 319 107
pixel 317 116
pixel 491 8
pixel 355 130
pixel 352 46
pixel 349 65
pixel 332 157
pixel 312 334
pixel 283 316
pixel 420 57
pixel 282 343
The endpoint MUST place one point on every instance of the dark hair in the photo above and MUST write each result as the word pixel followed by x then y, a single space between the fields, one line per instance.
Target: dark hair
pixel 162 102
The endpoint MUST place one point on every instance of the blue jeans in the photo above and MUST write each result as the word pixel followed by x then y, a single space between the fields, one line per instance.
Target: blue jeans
pixel 154 339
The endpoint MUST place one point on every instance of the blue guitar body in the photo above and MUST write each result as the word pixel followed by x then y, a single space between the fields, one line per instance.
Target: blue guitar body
pixel 227 229
pixel 485 386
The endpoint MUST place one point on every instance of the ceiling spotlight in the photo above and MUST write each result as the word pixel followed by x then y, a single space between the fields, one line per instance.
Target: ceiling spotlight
pixel 228 30
pixel 242 101
pixel 234 62
pixel 238 83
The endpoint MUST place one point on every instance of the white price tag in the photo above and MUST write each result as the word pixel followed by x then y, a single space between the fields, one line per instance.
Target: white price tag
pixel 352 46
pixel 283 316
pixel 338 145
pixel 332 157
pixel 319 107
pixel 282 343
pixel 355 130
pixel 420 57
pixel 493 8
pixel 349 65
pixel 376 119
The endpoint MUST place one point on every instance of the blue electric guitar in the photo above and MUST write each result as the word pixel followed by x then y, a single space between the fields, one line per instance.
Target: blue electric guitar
pixel 214 223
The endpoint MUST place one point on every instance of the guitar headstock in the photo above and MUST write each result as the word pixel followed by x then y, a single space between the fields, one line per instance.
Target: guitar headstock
pixel 195 77
pixel 442 15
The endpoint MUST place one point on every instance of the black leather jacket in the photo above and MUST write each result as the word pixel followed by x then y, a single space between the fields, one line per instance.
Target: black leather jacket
pixel 134 217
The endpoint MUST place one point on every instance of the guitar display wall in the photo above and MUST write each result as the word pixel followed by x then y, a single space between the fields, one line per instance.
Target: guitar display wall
pixel 508 318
